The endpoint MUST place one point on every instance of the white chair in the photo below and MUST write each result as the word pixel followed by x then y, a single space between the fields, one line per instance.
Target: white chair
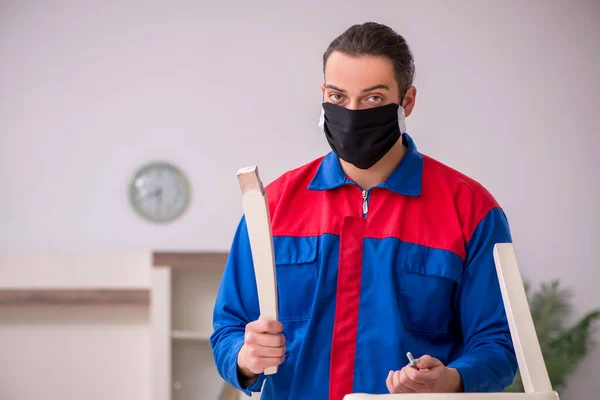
pixel 527 347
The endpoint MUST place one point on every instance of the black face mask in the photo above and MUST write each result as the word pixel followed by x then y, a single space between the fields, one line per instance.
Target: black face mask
pixel 361 137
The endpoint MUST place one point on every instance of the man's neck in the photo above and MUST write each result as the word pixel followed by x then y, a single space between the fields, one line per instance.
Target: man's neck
pixel 367 178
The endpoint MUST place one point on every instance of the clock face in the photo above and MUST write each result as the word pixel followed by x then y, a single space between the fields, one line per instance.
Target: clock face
pixel 159 192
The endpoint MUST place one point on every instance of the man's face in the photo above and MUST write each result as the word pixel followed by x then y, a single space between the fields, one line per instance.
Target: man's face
pixel 362 82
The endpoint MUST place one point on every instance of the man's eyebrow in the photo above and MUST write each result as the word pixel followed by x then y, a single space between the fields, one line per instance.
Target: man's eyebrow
pixel 381 86
pixel 335 88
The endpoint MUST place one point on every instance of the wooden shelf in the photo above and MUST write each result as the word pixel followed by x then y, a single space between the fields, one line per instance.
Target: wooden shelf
pixel 191 335
pixel 11 297
pixel 184 289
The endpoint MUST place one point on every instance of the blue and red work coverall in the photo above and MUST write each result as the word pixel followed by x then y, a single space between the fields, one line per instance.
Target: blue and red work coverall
pixel 366 276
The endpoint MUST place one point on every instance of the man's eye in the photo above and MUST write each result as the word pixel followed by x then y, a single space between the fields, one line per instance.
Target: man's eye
pixel 336 97
pixel 375 99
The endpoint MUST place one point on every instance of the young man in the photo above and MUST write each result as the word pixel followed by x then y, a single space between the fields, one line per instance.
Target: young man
pixel 380 251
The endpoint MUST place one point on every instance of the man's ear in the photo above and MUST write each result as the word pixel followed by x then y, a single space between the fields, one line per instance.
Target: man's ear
pixel 409 100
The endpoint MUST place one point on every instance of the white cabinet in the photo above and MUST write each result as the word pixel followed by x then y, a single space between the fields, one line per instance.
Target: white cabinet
pixel 179 288
pixel 184 287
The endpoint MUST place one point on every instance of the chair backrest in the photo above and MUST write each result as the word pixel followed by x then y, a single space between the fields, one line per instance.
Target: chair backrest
pixel 530 359
pixel 527 347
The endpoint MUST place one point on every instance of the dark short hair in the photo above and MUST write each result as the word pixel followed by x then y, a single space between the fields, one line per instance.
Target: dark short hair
pixel 373 39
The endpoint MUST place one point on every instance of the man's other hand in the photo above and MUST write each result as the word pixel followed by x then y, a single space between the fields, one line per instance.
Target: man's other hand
pixel 264 347
pixel 430 376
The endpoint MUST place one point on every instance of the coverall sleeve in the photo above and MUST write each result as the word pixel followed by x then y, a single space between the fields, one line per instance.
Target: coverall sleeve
pixel 236 305
pixel 488 363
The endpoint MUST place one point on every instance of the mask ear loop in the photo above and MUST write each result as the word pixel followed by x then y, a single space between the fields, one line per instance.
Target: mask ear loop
pixel 401 120
pixel 322 119
pixel 401 116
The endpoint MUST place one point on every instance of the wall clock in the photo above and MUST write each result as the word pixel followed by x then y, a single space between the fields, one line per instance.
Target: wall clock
pixel 159 192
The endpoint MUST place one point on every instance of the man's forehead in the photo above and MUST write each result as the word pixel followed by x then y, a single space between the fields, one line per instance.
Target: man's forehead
pixel 358 72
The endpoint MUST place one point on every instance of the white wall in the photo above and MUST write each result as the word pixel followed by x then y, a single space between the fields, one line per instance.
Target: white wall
pixel 508 93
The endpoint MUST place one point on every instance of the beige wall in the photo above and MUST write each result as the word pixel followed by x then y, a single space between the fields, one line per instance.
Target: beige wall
pixel 508 93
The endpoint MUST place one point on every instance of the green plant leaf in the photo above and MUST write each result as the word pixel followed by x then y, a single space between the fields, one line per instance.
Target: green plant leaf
pixel 562 347
pixel 565 351
pixel 550 306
